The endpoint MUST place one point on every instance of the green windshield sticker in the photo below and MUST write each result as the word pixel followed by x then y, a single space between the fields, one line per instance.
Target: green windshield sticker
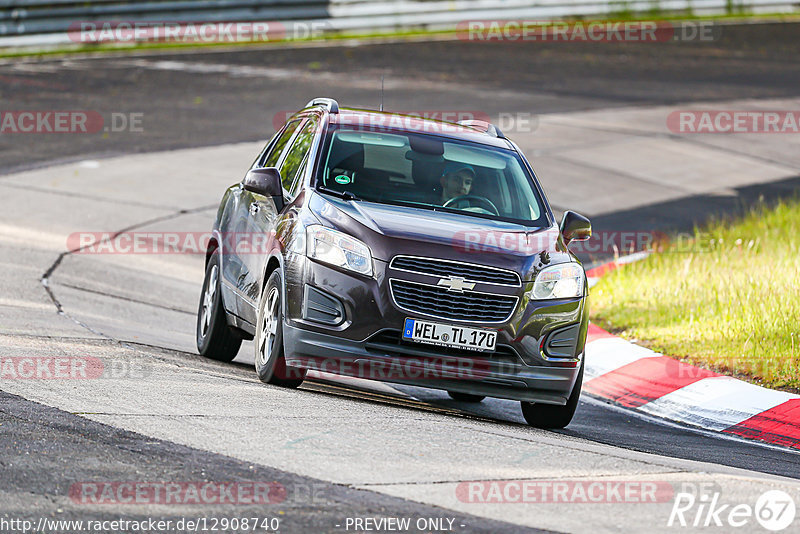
pixel 342 179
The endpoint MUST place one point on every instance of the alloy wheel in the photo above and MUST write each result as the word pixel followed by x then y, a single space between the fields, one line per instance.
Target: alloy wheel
pixel 208 301
pixel 269 325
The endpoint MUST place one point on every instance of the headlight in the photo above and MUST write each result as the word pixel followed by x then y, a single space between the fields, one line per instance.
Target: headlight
pixel 339 249
pixel 559 282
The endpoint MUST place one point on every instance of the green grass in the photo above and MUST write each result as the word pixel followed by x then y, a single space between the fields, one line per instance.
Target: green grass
pixel 169 46
pixel 727 300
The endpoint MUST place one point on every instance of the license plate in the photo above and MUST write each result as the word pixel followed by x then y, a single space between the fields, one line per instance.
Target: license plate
pixel 445 335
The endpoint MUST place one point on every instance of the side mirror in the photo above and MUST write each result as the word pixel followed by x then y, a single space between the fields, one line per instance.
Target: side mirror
pixel 575 227
pixel 265 182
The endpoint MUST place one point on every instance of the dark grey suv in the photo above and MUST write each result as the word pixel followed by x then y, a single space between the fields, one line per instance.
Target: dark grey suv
pixel 406 250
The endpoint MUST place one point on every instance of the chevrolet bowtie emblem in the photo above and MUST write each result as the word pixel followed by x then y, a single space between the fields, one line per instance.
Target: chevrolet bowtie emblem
pixel 456 283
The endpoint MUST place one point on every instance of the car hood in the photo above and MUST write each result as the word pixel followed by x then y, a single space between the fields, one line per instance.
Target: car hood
pixel 390 230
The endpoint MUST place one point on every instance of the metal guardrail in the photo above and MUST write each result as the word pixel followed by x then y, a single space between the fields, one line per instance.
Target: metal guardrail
pixel 19 17
pixel 27 17
pixel 357 14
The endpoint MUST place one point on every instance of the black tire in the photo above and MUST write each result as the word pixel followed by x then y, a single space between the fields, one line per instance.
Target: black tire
pixel 551 416
pixel 465 397
pixel 269 356
pixel 215 339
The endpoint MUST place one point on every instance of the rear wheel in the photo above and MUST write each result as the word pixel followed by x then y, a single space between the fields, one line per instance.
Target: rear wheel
pixel 215 339
pixel 551 416
pixel 269 356
pixel 465 397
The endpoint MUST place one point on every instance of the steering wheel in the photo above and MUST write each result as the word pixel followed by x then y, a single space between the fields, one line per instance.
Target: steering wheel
pixel 481 202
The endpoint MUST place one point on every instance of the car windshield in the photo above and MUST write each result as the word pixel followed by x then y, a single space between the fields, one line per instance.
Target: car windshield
pixel 430 172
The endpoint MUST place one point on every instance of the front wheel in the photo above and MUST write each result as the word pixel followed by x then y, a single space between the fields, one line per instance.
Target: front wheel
pixel 551 416
pixel 215 339
pixel 269 356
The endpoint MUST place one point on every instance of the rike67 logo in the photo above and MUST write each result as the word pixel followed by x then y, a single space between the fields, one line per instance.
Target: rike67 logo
pixel 702 505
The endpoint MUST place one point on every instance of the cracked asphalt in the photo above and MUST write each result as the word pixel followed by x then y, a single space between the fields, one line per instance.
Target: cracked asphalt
pixel 158 412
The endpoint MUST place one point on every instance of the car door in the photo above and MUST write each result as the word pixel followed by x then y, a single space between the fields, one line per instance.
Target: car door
pixel 264 219
pixel 238 234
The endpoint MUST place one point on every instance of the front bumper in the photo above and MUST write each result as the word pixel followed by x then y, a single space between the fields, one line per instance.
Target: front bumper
pixel 419 366
pixel 527 364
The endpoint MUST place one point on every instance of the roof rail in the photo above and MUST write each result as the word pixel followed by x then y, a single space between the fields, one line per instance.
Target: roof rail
pixel 486 127
pixel 331 104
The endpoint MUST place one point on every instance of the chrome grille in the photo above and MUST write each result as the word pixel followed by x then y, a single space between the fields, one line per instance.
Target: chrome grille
pixel 445 268
pixel 439 302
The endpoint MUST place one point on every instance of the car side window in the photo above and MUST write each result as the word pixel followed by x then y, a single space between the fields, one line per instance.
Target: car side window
pixel 262 154
pixel 298 179
pixel 295 157
pixel 274 155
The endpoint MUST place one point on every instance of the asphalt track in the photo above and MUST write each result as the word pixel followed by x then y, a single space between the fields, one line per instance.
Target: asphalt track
pixel 370 450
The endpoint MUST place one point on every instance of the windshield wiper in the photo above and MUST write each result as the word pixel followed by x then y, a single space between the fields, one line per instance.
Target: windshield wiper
pixel 410 204
pixel 437 208
pixel 346 195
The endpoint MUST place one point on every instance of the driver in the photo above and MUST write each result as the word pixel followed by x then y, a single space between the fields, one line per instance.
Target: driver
pixel 456 180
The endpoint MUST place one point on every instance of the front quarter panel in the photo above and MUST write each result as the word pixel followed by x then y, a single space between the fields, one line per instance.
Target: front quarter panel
pixel 229 266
